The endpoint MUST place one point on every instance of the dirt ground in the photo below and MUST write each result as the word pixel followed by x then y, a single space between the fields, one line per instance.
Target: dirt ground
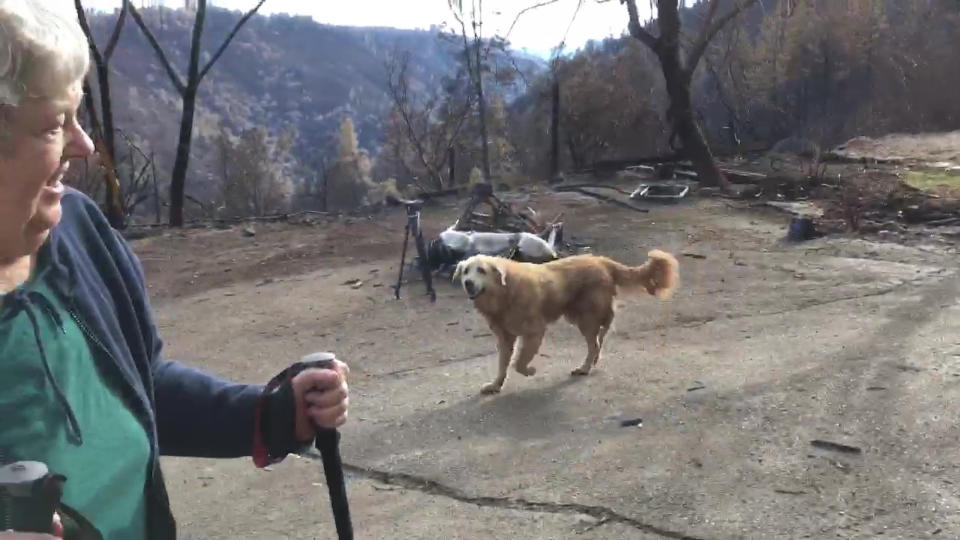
pixel 767 347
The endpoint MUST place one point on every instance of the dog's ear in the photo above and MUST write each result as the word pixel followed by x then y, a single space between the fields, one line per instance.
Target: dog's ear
pixel 457 272
pixel 500 265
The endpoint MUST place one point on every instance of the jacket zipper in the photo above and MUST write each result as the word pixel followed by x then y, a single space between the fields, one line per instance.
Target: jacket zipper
pixel 88 333
pixel 153 458
pixel 92 337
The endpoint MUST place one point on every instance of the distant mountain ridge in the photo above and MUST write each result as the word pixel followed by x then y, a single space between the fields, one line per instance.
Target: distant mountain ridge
pixel 280 70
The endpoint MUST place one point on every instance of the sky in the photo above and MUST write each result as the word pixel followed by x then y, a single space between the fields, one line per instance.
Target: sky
pixel 537 31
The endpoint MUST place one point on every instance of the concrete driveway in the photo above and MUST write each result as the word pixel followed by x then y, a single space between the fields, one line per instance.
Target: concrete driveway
pixel 766 348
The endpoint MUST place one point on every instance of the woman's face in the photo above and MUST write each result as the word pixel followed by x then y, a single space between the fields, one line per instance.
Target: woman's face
pixel 42 135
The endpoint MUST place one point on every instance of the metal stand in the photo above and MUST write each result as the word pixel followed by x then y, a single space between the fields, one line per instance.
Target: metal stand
pixel 413 228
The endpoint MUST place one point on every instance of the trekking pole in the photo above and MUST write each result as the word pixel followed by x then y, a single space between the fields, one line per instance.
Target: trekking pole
pixel 328 444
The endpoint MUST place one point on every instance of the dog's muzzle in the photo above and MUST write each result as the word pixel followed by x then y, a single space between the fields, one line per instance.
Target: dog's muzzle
pixel 471 289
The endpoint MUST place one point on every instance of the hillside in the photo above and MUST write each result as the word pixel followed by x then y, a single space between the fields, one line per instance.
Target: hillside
pixel 279 71
pixel 822 70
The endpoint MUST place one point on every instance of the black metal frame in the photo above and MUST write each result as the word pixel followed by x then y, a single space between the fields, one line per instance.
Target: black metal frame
pixel 413 228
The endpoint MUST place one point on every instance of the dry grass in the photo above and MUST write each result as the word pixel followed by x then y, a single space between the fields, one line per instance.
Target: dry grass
pixel 907 148
pixel 936 182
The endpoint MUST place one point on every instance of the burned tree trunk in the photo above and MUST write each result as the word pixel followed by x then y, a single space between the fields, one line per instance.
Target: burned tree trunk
pixel 106 109
pixel 482 111
pixel 474 56
pixel 683 122
pixel 678 73
pixel 452 165
pixel 555 130
pixel 188 92
pixel 182 161
pixel 113 209
pixel 102 127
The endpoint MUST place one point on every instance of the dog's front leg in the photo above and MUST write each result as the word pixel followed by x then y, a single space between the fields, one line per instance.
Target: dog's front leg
pixel 591 334
pixel 505 345
pixel 529 345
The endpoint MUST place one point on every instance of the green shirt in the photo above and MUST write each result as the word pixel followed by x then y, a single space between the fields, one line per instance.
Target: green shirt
pixel 106 468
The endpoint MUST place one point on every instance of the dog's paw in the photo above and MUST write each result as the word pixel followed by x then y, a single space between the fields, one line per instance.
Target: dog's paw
pixel 527 371
pixel 579 372
pixel 490 388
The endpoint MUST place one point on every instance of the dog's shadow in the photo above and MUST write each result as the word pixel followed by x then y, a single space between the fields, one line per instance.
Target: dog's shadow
pixel 520 414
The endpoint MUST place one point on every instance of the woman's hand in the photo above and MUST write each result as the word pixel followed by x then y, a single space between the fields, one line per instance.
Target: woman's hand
pixel 321 397
pixel 57 532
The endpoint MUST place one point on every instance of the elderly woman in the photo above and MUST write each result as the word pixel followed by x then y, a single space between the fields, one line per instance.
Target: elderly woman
pixel 84 387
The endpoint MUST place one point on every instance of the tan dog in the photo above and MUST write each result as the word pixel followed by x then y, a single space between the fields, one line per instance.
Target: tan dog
pixel 519 300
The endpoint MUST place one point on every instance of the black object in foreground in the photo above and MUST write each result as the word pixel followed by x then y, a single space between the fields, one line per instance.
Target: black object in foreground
pixel 29 496
pixel 836 447
pixel 327 441
pixel 412 228
pixel 328 444
pixel 802 228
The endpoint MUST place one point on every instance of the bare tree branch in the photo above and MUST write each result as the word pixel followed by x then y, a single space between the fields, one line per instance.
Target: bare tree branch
pixel 558 49
pixel 710 29
pixel 526 10
pixel 475 66
pixel 516 68
pixel 446 136
pixel 636 29
pixel 433 127
pixel 82 17
pixel 133 145
pixel 193 67
pixel 103 130
pixel 449 136
pixel 174 77
pixel 566 32
pixel 463 34
pixel 399 92
pixel 188 91
pixel 711 12
pixel 136 189
pixel 456 7
pixel 226 42
pixel 115 36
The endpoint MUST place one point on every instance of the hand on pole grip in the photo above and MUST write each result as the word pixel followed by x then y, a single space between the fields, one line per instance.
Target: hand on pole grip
pixel 296 402
pixel 281 413
pixel 328 444
pixel 320 360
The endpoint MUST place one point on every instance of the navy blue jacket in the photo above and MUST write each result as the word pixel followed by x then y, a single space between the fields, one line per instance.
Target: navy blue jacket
pixel 184 411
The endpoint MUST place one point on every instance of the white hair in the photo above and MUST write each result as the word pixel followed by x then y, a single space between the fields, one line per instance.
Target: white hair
pixel 42 49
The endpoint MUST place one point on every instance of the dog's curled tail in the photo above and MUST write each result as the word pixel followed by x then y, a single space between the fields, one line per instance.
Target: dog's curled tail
pixel 659 276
